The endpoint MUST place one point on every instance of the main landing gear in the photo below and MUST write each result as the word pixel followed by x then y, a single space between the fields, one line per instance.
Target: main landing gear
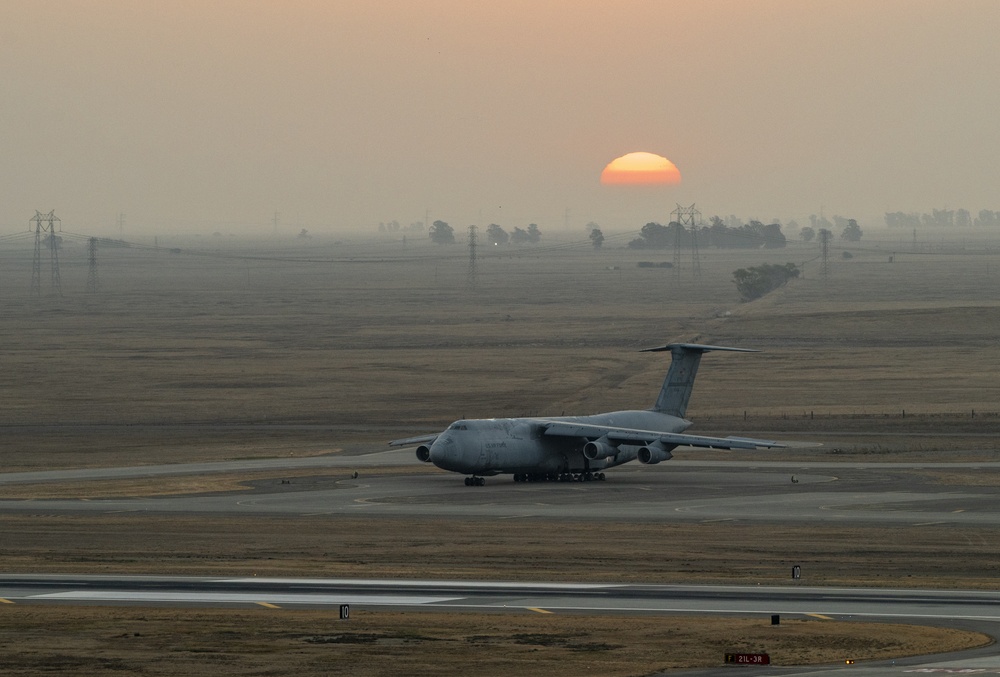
pixel 475 481
pixel 559 477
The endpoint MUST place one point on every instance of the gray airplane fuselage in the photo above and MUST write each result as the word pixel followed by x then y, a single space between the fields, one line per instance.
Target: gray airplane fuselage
pixel 517 445
pixel 579 447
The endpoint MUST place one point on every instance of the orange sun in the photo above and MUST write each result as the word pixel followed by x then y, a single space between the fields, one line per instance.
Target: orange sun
pixel 640 169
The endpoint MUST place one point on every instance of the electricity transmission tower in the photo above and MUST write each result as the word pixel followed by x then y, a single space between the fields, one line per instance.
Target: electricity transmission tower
pixel 92 284
pixel 45 223
pixel 687 216
pixel 472 258
pixel 824 240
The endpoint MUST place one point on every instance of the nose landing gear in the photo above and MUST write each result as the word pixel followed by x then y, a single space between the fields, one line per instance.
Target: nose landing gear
pixel 475 481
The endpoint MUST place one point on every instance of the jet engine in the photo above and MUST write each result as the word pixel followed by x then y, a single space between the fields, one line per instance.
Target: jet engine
pixel 651 454
pixel 600 448
pixel 424 453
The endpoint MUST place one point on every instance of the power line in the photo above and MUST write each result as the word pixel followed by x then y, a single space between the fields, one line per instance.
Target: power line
pixel 45 223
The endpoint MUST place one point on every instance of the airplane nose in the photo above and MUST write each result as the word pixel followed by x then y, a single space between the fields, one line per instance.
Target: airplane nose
pixel 444 452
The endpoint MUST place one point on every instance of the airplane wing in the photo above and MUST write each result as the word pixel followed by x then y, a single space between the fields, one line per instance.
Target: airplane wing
pixel 410 441
pixel 630 436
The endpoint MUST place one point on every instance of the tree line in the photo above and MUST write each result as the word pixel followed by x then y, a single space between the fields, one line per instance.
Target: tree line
pixel 442 233
pixel 943 218
pixel 752 235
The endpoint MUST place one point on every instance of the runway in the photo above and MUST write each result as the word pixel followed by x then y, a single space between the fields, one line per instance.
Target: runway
pixel 955 608
pixel 700 491
pixel 815 602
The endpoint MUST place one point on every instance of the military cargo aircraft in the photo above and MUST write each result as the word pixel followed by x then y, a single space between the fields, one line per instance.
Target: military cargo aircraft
pixel 579 448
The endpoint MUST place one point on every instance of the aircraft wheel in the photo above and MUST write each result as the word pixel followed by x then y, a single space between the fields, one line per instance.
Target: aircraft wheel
pixel 468 481
pixel 480 481
pixel 587 477
pixel 600 476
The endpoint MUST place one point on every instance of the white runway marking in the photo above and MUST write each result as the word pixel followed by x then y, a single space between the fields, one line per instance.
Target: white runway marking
pixel 242 597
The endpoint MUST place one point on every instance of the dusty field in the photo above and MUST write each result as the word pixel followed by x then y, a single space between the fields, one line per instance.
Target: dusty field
pixel 42 640
pixel 403 341
pixel 633 552
pixel 190 358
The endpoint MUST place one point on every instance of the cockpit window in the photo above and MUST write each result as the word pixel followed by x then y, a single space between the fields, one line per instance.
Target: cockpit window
pixel 458 426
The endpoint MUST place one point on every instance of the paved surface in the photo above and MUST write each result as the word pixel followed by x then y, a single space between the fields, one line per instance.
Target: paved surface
pixel 816 602
pixel 845 493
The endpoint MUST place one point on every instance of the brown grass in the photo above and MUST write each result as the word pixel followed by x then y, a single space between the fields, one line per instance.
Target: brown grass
pixel 106 641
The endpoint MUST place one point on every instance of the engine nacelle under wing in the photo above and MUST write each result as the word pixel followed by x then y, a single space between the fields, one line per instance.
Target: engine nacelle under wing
pixel 598 449
pixel 654 453
pixel 424 453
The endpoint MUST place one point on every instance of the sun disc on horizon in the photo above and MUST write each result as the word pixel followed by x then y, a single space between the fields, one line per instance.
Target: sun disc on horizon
pixel 640 169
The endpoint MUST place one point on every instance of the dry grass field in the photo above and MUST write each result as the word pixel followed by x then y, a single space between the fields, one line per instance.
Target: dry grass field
pixel 258 351
pixel 46 640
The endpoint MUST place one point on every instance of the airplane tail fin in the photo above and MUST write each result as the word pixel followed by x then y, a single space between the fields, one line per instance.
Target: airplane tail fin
pixel 677 386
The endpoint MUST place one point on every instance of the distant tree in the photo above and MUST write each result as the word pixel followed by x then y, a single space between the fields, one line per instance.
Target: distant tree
pixel 304 234
pixel 534 235
pixel 496 234
pixel 519 236
pixel 770 233
pixel 902 220
pixel 987 218
pixel 47 241
pixel 807 233
pixel 963 219
pixel 442 233
pixel 655 236
pixel 754 282
pixel 852 231
pixel 591 226
pixel 596 237
pixel 818 222
pixel 416 227
pixel 942 217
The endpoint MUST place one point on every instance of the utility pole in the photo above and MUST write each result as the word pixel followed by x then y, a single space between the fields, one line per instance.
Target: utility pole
pixel 45 223
pixel 472 259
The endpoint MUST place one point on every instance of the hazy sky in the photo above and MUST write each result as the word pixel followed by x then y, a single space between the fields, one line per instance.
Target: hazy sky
pixel 197 115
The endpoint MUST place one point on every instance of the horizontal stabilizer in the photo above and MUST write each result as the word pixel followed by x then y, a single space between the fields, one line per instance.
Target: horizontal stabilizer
pixel 695 348
pixel 770 444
